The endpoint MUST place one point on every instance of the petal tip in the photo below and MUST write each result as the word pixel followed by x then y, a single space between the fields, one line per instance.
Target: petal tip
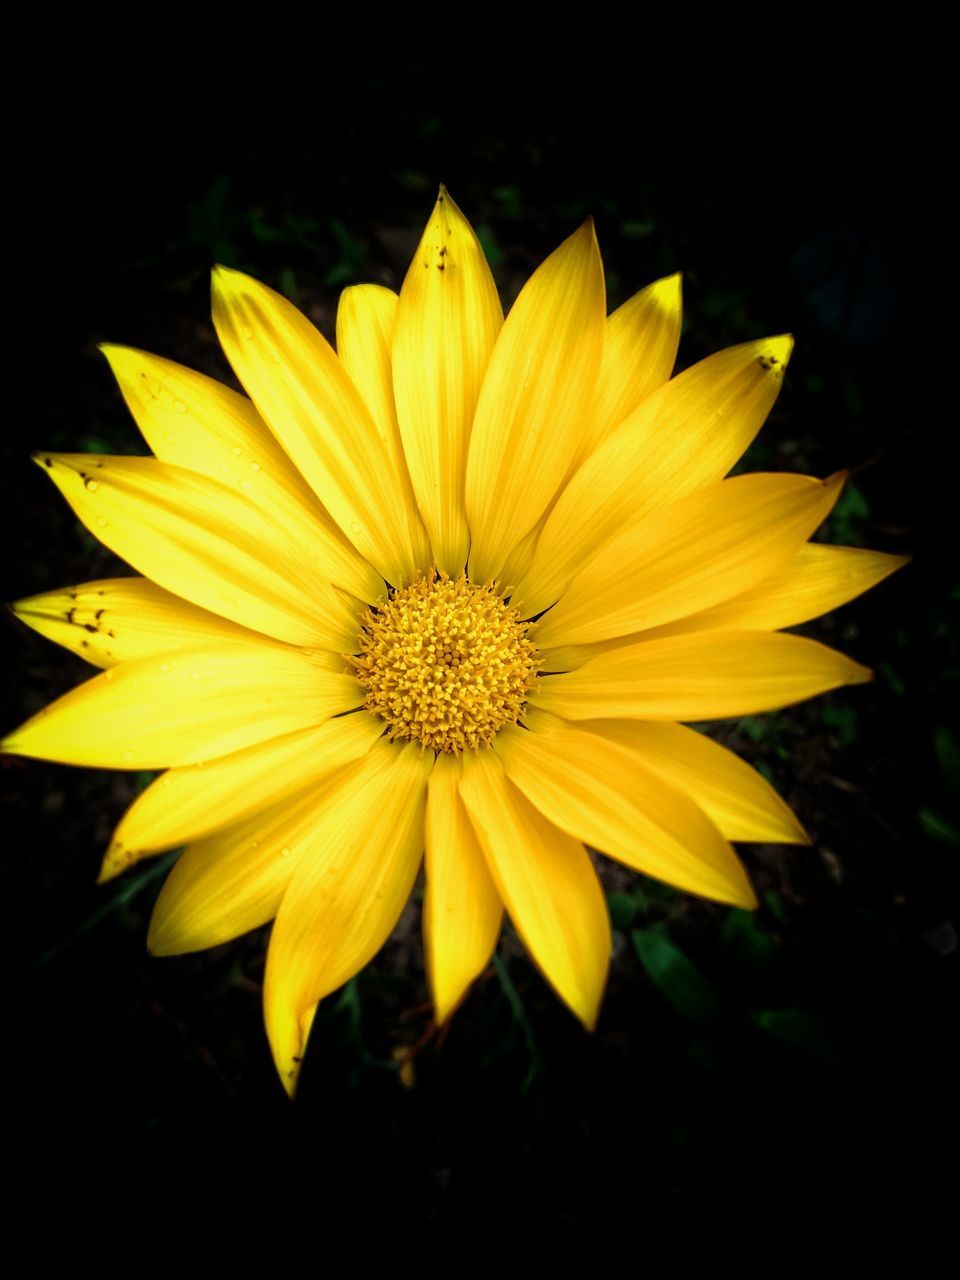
pixel 115 861
pixel 667 292
pixel 776 353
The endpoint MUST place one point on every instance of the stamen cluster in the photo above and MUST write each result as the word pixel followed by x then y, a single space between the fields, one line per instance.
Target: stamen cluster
pixel 445 662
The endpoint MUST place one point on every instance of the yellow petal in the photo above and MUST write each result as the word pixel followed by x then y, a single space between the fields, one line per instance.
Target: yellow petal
pixel 715 543
pixel 536 393
pixel 194 422
pixel 688 432
pixel 639 351
pixel 121 619
pixel 603 794
pixel 816 579
pixel 233 881
pixel 706 676
pixel 735 797
pixel 447 322
pixel 177 709
pixel 189 803
pixel 313 408
pixel 462 911
pixel 365 323
pixel 346 896
pixel 205 543
pixel 547 883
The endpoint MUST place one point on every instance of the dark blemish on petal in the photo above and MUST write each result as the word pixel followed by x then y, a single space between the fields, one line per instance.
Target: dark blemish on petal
pixel 99 614
pixel 441 267
pixel 88 626
pixel 70 614
pixel 48 462
pixel 85 644
pixel 112 635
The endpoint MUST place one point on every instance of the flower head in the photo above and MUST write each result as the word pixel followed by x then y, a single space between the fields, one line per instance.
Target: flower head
pixel 447 593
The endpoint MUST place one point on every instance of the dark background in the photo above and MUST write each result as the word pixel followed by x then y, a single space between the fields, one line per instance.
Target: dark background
pixel 789 1067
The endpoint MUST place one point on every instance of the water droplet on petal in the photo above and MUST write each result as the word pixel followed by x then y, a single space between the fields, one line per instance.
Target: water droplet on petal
pixel 247 331
pixel 355 526
pixel 126 756
pixel 246 486
pixel 169 438
pixel 180 406
pixel 254 466
pixel 92 485
pixel 101 523
pixel 236 451
pixel 284 852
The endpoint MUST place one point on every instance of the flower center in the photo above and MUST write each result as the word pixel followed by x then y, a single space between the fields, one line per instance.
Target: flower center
pixel 445 662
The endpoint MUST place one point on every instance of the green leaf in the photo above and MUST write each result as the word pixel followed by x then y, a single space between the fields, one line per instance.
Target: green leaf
pixel 937 827
pixel 774 904
pixel 947 746
pixel 488 243
pixel 848 515
pixel 800 1030
pixel 743 936
pixel 843 721
pixel 623 909
pixel 676 977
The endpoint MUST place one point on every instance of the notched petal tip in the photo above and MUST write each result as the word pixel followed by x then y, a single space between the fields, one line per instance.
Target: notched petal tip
pixel 773 354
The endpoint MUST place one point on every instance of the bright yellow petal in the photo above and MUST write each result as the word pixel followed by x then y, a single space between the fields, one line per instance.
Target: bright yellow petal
pixel 536 394
pixel 715 543
pixel 365 323
pixel 205 543
pixel 447 323
pixel 234 880
pixel 735 797
pixel 194 422
pixel 346 896
pixel 177 709
pixel 687 433
pixel 639 351
pixel 815 580
pixel 599 792
pixel 547 883
pixel 190 803
pixel 122 619
pixel 706 676
pixel 366 316
pixel 462 911
pixel 313 408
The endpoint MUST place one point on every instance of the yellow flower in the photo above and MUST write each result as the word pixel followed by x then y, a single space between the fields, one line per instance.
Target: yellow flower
pixel 447 592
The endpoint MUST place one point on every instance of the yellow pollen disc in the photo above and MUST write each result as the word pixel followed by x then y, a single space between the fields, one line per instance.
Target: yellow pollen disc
pixel 445 662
